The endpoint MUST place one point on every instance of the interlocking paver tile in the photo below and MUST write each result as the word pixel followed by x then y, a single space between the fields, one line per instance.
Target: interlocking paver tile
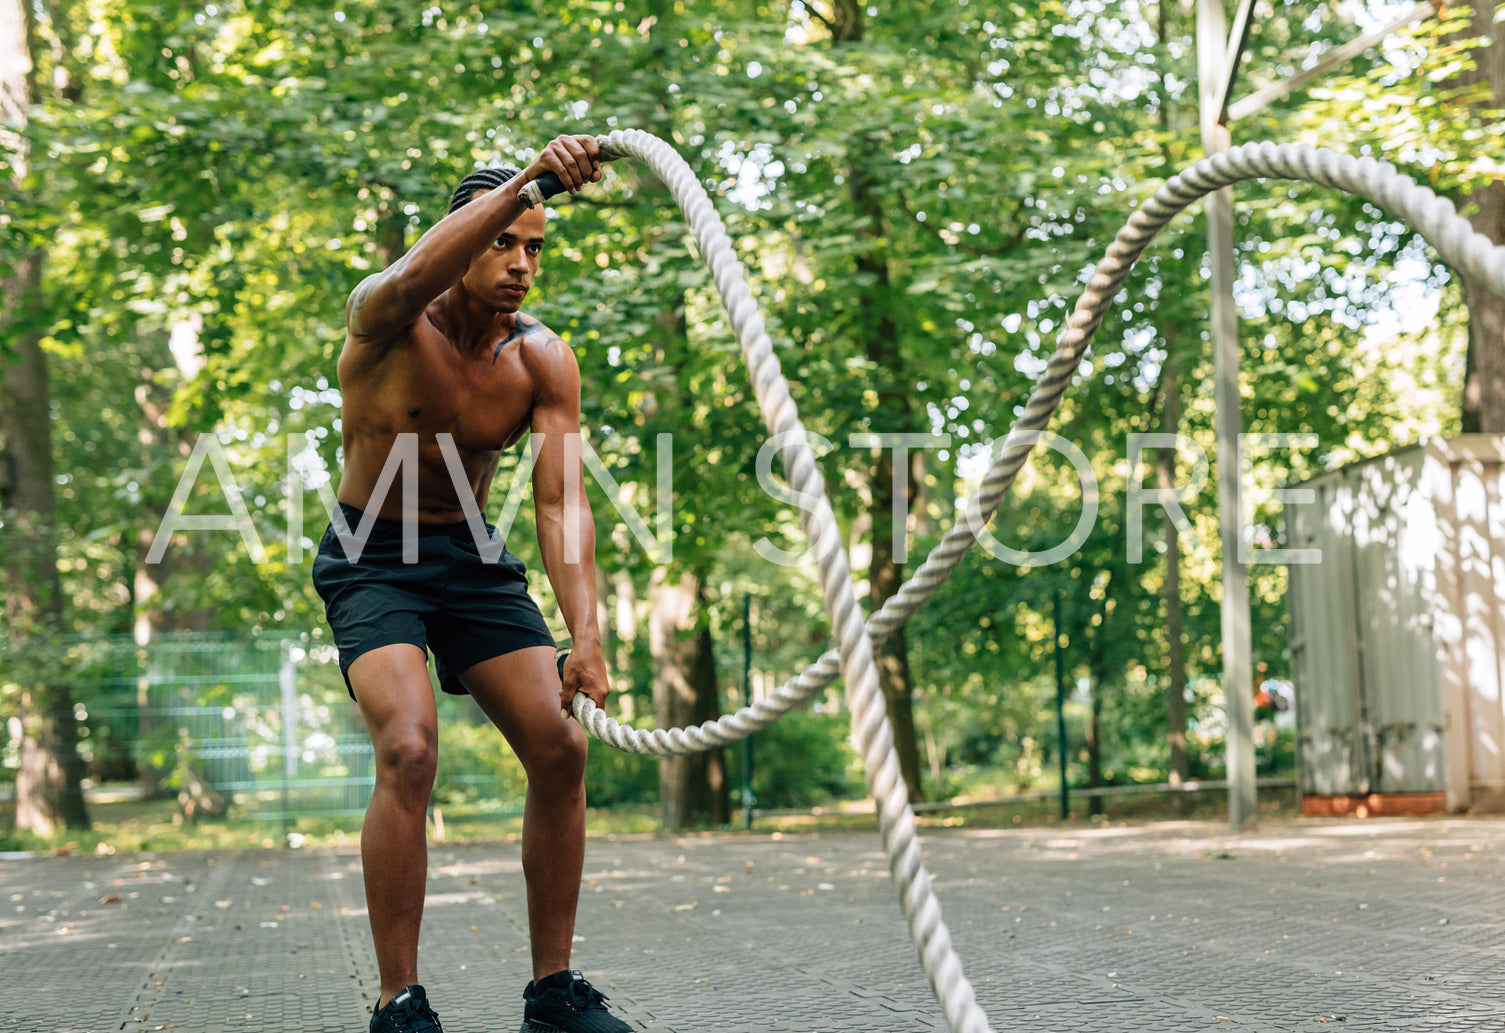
pixel 1298 928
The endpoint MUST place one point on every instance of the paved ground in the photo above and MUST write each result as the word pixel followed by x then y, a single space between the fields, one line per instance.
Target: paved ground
pixel 1306 926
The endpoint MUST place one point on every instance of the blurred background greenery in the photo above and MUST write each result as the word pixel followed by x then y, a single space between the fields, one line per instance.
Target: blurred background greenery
pixel 917 191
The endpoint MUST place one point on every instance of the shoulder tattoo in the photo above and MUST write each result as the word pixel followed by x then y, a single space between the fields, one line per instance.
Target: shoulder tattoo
pixel 361 293
pixel 522 326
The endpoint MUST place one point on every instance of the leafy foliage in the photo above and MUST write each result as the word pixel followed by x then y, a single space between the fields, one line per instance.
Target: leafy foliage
pixel 212 181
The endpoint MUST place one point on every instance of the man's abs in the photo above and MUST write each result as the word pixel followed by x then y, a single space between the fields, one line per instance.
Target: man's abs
pixel 409 407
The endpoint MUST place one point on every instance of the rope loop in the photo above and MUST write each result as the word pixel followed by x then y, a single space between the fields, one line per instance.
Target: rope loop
pixel 1435 217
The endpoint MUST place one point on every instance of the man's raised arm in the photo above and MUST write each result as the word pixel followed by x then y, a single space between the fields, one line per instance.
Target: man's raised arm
pixel 386 302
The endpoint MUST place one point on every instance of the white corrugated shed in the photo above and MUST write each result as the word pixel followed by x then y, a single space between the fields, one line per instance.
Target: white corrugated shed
pixel 1398 632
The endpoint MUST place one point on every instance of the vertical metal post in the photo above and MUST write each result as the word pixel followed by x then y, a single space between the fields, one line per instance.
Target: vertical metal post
pixel 288 682
pixel 747 743
pixel 1214 58
pixel 1055 617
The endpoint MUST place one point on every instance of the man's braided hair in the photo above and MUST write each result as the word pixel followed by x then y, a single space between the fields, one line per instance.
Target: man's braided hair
pixel 481 179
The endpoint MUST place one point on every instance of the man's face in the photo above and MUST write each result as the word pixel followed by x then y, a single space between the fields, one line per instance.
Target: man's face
pixel 503 274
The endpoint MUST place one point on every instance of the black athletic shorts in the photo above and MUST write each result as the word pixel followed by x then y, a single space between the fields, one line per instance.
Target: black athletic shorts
pixel 463 607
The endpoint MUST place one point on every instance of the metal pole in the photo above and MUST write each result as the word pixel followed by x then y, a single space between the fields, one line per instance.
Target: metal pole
pixel 1335 57
pixel 288 681
pixel 1217 69
pixel 1214 56
pixel 1060 702
pixel 747 743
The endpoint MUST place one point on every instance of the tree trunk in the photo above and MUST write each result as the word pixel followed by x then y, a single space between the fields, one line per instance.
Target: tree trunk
pixel 1484 388
pixel 391 228
pixel 1165 480
pixel 1175 690
pixel 935 753
pixel 692 789
pixel 187 561
pixel 710 792
pixel 885 577
pixel 881 345
pixel 1484 383
pixel 625 638
pixel 49 793
pixel 49 783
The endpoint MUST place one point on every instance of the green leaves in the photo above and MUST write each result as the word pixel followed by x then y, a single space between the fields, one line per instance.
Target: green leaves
pixel 218 180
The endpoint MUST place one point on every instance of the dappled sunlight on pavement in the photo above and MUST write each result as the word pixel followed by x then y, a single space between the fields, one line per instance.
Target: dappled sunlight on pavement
pixel 1300 925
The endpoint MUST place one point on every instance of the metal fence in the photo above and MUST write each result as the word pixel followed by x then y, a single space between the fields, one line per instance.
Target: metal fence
pixel 265 722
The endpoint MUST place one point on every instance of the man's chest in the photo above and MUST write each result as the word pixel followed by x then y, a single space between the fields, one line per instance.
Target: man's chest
pixel 485 402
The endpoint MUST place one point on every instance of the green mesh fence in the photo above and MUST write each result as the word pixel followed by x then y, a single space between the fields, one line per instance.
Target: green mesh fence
pixel 263 723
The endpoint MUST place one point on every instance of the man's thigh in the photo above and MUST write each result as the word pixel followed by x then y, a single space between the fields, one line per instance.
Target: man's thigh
pixel 392 687
pixel 520 693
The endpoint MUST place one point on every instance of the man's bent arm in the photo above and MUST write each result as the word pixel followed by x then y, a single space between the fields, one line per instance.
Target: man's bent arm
pixel 566 529
pixel 386 302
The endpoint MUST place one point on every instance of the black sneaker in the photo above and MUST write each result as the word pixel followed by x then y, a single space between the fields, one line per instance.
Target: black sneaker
pixel 566 1003
pixel 407 1012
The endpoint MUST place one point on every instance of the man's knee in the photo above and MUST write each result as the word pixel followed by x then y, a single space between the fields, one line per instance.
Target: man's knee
pixel 408 759
pixel 559 760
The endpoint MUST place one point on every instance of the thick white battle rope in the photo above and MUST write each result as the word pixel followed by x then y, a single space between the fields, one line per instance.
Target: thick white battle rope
pixel 1435 217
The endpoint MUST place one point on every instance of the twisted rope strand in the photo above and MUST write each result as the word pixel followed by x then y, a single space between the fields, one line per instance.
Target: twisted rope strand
pixel 870 723
pixel 1435 217
pixel 1455 240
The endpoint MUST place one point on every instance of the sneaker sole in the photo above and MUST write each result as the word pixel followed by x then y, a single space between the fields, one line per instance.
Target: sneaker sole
pixel 529 1026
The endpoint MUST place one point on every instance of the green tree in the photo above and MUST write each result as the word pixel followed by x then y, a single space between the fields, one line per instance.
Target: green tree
pixel 48 785
pixel 916 208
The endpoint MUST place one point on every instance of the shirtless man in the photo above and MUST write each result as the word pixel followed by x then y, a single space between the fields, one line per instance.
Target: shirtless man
pixel 439 365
